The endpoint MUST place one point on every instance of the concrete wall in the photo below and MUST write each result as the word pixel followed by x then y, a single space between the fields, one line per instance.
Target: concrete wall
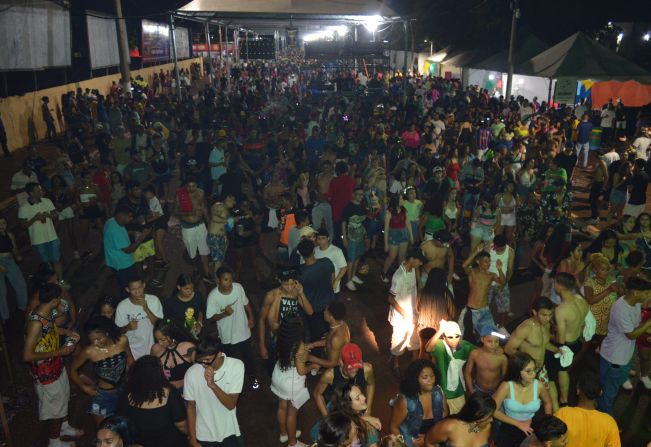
pixel 22 116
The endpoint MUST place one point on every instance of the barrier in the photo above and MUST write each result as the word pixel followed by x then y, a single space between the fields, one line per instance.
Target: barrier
pixel 22 115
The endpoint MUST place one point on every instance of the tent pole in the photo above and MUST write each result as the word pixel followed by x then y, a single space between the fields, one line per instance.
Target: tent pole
pixel 208 43
pixel 405 25
pixel 221 47
pixel 247 45
pixel 515 6
pixel 177 76
pixel 549 92
pixel 123 48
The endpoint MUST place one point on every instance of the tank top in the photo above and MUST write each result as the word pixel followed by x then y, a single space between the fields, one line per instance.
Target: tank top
pixel 111 369
pixel 5 244
pixel 288 306
pixel 48 370
pixel 178 369
pixel 504 257
pixel 511 204
pixel 398 220
pixel 433 223
pixel 338 377
pixel 451 213
pixel 518 410
pixel 486 219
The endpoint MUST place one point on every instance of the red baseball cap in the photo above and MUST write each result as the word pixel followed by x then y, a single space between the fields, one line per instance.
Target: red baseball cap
pixel 351 356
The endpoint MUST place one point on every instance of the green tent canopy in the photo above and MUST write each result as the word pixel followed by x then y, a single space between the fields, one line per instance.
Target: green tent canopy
pixel 500 61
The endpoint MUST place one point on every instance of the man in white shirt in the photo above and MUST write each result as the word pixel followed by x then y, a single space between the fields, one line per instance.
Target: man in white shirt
pixel 607 123
pixel 439 125
pixel 326 250
pixel 36 215
pixel 20 180
pixel 642 143
pixel 136 316
pixel 403 315
pixel 212 387
pixel 228 306
pixel 617 348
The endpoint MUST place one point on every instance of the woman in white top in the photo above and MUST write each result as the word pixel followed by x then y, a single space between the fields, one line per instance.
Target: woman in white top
pixel 526 178
pixel 507 203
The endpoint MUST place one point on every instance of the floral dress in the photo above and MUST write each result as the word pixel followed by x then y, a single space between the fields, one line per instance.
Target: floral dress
pixel 551 207
pixel 601 310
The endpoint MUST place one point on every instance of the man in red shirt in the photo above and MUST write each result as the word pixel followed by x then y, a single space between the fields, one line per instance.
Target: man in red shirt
pixel 340 193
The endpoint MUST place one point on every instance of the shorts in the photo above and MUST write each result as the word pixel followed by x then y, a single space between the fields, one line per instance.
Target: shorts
pixel 373 227
pixel 105 402
pixel 195 240
pixel 49 251
pixel 553 364
pixel 617 197
pixel 91 213
pixel 543 376
pixel 404 337
pixel 217 243
pixel 355 250
pixel 634 210
pixel 53 398
pixel 471 321
pixel 483 233
pixel 476 388
pixel 502 297
pixel 66 213
pixel 397 237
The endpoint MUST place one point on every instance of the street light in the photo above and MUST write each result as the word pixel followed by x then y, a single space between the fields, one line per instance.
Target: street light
pixel 431 46
pixel 646 37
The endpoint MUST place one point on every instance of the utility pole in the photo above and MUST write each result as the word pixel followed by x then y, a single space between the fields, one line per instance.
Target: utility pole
pixel 123 48
pixel 515 7
pixel 177 76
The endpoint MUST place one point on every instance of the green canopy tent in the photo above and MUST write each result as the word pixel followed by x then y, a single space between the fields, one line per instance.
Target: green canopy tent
pixel 500 61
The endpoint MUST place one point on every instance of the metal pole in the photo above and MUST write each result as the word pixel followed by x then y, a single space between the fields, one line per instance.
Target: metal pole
pixel 405 25
pixel 246 37
pixel 515 6
pixel 123 48
pixel 177 76
pixel 549 92
pixel 221 47
pixel 207 26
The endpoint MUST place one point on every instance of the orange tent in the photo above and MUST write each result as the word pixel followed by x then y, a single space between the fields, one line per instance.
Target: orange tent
pixel 632 93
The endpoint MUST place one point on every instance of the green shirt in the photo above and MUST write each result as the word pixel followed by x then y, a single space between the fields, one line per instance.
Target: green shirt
pixel 442 360
pixel 413 209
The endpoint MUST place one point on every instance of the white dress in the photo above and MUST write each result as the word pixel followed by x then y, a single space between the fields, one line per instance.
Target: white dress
pixel 289 385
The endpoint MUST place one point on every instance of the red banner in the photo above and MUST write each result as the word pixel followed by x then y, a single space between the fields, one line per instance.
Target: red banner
pixel 202 47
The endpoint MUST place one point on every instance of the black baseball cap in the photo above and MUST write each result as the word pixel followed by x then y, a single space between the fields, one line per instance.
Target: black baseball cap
pixel 416 253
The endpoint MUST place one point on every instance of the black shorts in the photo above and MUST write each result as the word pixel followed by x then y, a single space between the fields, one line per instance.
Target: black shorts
pixel 91 213
pixel 553 364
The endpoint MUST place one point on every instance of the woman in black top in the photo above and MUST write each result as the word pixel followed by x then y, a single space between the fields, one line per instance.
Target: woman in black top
pixel 110 355
pixel 175 347
pixel 154 407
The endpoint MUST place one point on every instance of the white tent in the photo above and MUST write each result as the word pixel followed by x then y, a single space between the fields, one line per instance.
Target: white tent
pixel 292 7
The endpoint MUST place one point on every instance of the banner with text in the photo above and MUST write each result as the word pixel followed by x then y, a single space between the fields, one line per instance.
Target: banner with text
pixel 155 41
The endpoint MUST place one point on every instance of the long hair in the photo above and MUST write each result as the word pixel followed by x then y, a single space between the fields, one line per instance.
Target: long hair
pixel 103 324
pixel 434 205
pixel 598 243
pixel 477 407
pixel 517 362
pixel 119 426
pixel 170 328
pixel 436 301
pixel 289 337
pixel 340 401
pixel 409 385
pixel 556 245
pixel 146 381
pixel 334 430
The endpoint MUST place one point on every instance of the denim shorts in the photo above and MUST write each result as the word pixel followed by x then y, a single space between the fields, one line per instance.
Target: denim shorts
pixel 49 251
pixel 355 250
pixel 373 227
pixel 617 197
pixel 105 402
pixel 397 237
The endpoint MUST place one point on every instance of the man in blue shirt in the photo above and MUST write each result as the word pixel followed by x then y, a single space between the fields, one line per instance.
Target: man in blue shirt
pixel 583 131
pixel 118 248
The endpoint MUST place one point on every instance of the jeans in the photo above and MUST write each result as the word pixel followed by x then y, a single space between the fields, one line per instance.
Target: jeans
pixel 322 214
pixel 472 321
pixel 586 150
pixel 611 377
pixel 17 280
pixel 231 441
pixel 244 352
pixel 470 200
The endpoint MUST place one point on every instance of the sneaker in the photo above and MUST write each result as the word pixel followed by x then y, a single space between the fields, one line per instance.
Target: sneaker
pixel 70 431
pixel 357 280
pixel 285 438
pixel 646 381
pixel 628 386
pixel 351 286
pixel 385 278
pixel 59 443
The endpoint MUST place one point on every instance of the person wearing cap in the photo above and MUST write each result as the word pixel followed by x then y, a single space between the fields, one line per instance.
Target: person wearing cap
pixel 327 250
pixel 486 366
pixel 450 353
pixel 403 316
pixel 438 184
pixel 278 303
pixel 306 233
pixel 351 368
pixel 439 254
pixel 296 233
pixel 477 314
pixel 500 293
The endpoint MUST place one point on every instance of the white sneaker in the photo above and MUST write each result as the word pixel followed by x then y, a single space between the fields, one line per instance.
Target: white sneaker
pixel 299 444
pixel 456 277
pixel 70 431
pixel 646 381
pixel 351 286
pixel 628 386
pixel 285 438
pixel 357 280
pixel 59 443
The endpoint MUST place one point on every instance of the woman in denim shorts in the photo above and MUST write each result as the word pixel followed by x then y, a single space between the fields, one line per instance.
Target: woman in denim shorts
pixel 397 234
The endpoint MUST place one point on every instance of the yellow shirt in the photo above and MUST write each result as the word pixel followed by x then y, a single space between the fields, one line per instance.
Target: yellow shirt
pixel 589 428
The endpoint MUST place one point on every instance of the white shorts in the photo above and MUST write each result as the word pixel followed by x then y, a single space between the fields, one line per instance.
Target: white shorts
pixel 404 337
pixel 195 239
pixel 53 398
pixel 634 210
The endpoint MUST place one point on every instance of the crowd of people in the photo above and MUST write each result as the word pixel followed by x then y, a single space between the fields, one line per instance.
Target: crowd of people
pixel 263 172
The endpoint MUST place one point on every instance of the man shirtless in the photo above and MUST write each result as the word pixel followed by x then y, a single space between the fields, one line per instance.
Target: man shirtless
pixel 337 337
pixel 279 303
pixel 570 321
pixel 476 315
pixel 488 363
pixel 351 368
pixel 322 211
pixel 193 229
pixel 438 253
pixel 532 336
pixel 217 239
